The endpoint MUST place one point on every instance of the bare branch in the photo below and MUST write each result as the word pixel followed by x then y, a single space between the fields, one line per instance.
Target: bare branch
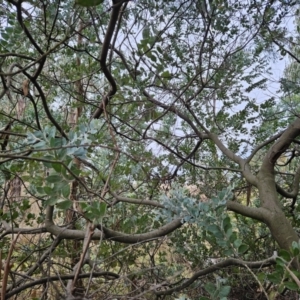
pixel 265 143
pixel 281 146
pixel 137 201
pixel 216 267
pixel 295 190
pixel 107 275
pixel 106 45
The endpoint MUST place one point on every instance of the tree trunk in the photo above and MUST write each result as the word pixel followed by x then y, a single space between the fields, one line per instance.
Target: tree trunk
pixel 275 218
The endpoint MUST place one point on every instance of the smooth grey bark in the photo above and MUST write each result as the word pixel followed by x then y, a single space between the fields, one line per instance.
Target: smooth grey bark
pixel 106 233
pixel 279 225
pixel 271 212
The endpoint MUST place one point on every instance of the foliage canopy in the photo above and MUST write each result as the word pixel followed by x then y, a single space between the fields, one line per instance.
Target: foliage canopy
pixel 139 141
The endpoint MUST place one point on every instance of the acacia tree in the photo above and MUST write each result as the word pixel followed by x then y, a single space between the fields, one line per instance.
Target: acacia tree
pixel 110 114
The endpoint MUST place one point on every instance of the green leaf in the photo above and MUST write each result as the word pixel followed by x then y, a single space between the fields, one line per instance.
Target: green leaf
pixel 61 154
pixel 226 223
pixel 285 255
pixel 224 291
pixel 291 286
pixel 84 206
pixel 275 277
pixel 51 201
pixel 295 248
pixel 228 252
pixel 54 178
pixel 56 142
pixel 166 74
pixel 151 56
pixel 48 190
pixel 66 190
pixel 261 276
pixel 51 132
pixel 57 167
pixel 237 243
pixel 102 209
pixel 48 157
pixel 297 273
pixel 75 170
pixel 229 232
pixel 40 190
pixel 233 237
pixel 214 229
pixel 296 251
pixel 146 33
pixel 210 288
pixel 26 178
pixel 281 288
pixel 242 248
pixel 66 204
pixel 58 186
pixel 40 145
pixel 5 36
pixel 280 262
pixel 66 175
pixel 88 3
pixel 79 152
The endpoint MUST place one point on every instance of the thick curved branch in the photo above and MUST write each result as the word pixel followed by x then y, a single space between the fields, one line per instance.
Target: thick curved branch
pixel 251 212
pixel 295 189
pixel 224 264
pixel 65 233
pixel 280 146
pixel 106 45
pixel 27 33
pixel 136 238
pixel 237 159
pixel 44 102
pixel 10 230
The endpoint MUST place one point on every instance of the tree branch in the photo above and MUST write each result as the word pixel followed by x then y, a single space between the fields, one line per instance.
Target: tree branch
pixel 65 233
pixel 242 162
pixel 37 265
pixel 136 238
pixel 295 189
pixel 280 146
pixel 106 45
pixel 137 201
pixel 258 147
pixel 108 275
pixel 251 212
pixel 216 267
pixel 10 230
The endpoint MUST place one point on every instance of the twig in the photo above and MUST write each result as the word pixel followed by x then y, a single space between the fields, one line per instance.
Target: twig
pixel 258 281
pixel 77 268
pixel 7 267
pixel 293 276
